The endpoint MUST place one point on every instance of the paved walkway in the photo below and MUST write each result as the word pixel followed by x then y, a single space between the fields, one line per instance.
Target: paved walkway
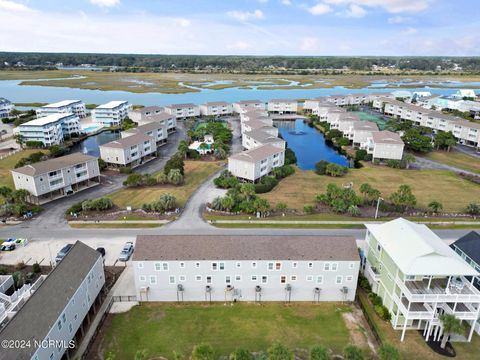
pixel 118 222
pixel 322 222
pixel 422 163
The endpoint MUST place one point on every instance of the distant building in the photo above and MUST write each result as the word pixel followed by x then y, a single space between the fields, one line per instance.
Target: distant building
pixel 50 130
pixel 465 93
pixel 239 106
pixel 111 114
pixel 161 117
pixel 59 310
pixel 245 268
pixel 54 178
pixel 5 108
pixel 156 129
pixel 257 162
pixel 219 108
pixel 140 114
pixel 129 151
pixel 76 107
pixel 282 106
pixel 183 111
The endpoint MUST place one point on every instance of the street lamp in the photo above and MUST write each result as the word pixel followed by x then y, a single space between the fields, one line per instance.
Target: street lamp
pixel 378 205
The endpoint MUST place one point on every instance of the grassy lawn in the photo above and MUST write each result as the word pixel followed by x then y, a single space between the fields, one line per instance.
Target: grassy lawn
pixel 162 328
pixel 290 226
pixel 8 164
pixel 455 158
pixel 195 174
pixel 428 185
pixel 414 346
pixel 114 226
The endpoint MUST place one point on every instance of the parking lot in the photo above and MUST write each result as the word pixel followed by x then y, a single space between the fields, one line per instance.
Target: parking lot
pixel 44 251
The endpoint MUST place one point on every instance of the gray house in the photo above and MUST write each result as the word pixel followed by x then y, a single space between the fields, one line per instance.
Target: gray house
pixel 245 268
pixel 55 316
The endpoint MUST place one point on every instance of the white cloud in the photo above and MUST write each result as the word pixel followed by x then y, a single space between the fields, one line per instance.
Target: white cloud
pixel 355 11
pixel 182 22
pixel 105 3
pixel 399 19
pixel 13 6
pixel 239 45
pixel 320 9
pixel 286 2
pixel 409 31
pixel 392 6
pixel 245 15
pixel 310 44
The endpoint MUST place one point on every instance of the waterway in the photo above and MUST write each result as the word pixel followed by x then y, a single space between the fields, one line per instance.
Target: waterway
pixel 91 144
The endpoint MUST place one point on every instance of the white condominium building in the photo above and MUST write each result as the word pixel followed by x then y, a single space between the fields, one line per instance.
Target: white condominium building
pixel 255 138
pixel 218 108
pixel 156 129
pixel 50 130
pixel 257 162
pixel 130 151
pixel 54 178
pixel 282 106
pixel 239 106
pixel 245 268
pixel 111 114
pixel 5 108
pixel 183 111
pixel 76 107
pixel 138 115
pixel 384 145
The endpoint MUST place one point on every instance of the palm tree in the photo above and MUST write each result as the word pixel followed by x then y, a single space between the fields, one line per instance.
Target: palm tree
pixel 6 193
pixel 220 153
pixel 183 148
pixel 20 195
pixel 247 190
pixel 451 325
pixel 435 206
pixel 409 159
pixel 227 203
pixel 175 177
pixel 167 201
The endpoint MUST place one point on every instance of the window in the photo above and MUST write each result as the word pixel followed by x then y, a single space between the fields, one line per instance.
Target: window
pixel 158 266
pixel 349 278
pixel 182 278
pixel 379 248
pixel 238 278
pixel 294 265
pixel 293 278
pixel 278 266
pixel 319 279
pixel 339 279
pixel 310 265
pixel 209 279
pixel 143 278
pixel 334 266
pixel 75 317
pixel 59 324
pixel 153 279
pixel 326 267
pixel 264 279
pixel 309 277
pixel 182 265
pixel 254 277
pixel 254 265
pixel 351 265
pixel 270 266
pixel 214 266
pixel 70 327
pixel 238 265
pixel 64 318
pixel 140 265
pixel 197 265
pixel 198 277
pixel 228 279
pixel 171 279
pixel 221 266
pixel 165 266
pixel 283 279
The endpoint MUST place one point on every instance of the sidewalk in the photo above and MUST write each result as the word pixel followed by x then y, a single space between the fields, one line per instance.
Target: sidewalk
pixel 321 222
pixel 118 222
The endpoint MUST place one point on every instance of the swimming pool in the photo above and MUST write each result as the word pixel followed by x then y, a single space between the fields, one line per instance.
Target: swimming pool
pixel 92 128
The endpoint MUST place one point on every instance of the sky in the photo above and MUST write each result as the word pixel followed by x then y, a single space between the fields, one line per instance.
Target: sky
pixel 243 27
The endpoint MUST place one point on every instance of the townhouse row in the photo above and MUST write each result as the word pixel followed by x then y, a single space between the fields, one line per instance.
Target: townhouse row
pixel 264 150
pixel 466 132
pixel 6 107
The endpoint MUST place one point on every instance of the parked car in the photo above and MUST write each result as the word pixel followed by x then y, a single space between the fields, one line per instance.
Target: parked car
pixel 101 250
pixel 126 252
pixel 8 245
pixel 61 254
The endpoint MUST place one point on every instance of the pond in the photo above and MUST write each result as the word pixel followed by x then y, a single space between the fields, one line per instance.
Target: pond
pixel 91 144
pixel 308 144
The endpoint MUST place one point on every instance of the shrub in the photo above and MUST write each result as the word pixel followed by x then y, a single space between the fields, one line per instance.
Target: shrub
pixel 193 154
pixel 126 170
pixel 203 352
pixel 283 171
pixel 220 153
pixel 319 353
pixel 395 164
pixel 99 204
pixel 364 284
pixel 56 150
pixel 281 206
pixel 383 312
pixel 226 180
pixel 241 354
pixel 388 352
pixel 175 162
pixel 473 209
pixel 308 209
pixel 175 177
pixel 343 141
pixel 102 165
pixel 279 351
pixel 162 178
pixel 321 167
pixel 20 265
pixel 361 155
pixel 34 144
pixel 335 170
pixel 36 268
pixel 266 184
pixel 290 157
pixel 74 209
pixel 352 352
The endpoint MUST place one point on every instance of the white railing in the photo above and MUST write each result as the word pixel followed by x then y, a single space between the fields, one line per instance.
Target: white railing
pixel 413 315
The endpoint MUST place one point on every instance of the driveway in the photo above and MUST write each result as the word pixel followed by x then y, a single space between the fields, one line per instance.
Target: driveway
pixel 422 163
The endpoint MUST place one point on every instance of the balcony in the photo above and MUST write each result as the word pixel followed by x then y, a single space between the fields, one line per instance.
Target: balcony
pixel 439 290
pixel 373 272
